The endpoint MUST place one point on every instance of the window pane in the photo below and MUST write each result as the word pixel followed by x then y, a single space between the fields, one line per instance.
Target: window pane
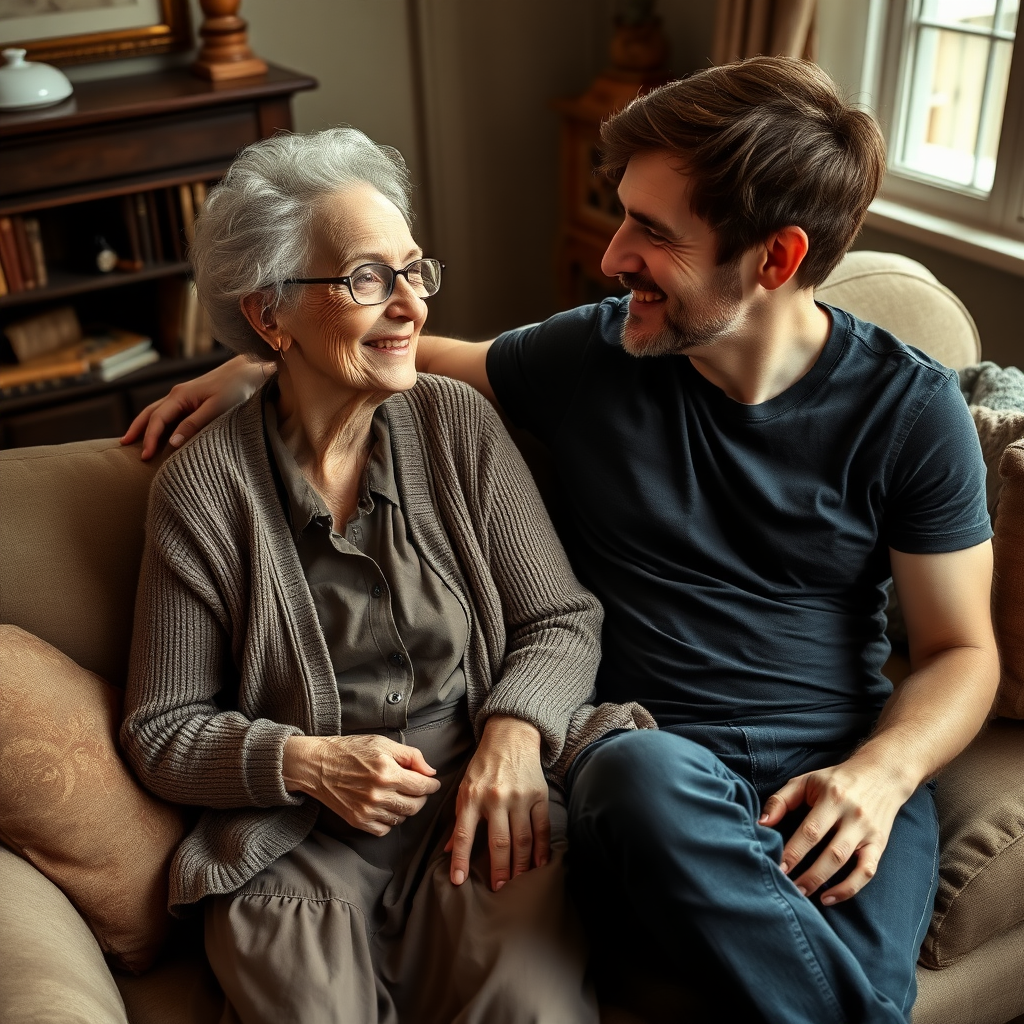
pixel 992 120
pixel 946 87
pixel 976 13
pixel 952 123
pixel 1008 16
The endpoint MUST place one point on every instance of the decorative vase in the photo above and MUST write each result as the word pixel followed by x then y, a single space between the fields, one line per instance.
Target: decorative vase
pixel 25 84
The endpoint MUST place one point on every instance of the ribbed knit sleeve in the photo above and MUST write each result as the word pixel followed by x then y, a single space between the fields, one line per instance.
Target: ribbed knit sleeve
pixel 214 686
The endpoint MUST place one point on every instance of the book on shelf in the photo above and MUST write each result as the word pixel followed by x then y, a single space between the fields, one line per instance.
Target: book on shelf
pixel 174 226
pixel 189 319
pixel 131 257
pixel 44 333
pixel 188 210
pixel 34 234
pixel 51 347
pixel 48 371
pixel 144 230
pixel 153 217
pixel 9 255
pixel 26 261
pixel 126 363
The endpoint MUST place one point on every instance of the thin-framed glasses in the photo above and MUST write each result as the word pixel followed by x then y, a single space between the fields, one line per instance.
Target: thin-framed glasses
pixel 372 283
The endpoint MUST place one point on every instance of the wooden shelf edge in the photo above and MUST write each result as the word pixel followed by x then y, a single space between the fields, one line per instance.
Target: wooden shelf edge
pixel 72 195
pixel 64 285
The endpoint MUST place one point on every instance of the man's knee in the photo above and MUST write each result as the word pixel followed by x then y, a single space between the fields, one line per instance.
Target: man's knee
pixel 631 775
pixel 642 782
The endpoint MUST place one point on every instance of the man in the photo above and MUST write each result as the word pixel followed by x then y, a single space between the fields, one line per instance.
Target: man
pixel 740 470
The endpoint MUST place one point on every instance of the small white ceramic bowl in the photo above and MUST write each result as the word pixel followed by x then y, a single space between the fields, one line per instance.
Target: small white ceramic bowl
pixel 25 84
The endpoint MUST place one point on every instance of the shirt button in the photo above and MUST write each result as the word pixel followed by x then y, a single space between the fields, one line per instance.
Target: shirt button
pixel 377 590
pixel 397 659
pixel 394 697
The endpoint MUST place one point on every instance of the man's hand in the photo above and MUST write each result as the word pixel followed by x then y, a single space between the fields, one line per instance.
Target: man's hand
pixel 855 804
pixel 370 781
pixel 504 785
pixel 202 400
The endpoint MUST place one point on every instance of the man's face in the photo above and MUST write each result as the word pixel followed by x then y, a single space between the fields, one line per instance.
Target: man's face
pixel 682 299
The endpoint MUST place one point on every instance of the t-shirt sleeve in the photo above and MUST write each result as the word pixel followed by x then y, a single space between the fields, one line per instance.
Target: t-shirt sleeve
pixel 937 493
pixel 534 370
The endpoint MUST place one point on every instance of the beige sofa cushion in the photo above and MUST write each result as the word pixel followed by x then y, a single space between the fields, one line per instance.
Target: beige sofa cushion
pixel 69 805
pixel 72 518
pixel 43 981
pixel 904 297
pixel 981 872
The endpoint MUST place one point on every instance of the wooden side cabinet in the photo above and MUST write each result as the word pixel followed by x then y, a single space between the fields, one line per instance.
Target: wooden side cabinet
pixel 76 167
pixel 590 210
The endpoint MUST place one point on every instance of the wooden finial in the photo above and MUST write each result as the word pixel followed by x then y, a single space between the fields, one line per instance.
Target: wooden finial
pixel 225 51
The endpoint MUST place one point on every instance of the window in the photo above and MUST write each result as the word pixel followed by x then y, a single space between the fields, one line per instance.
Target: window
pixel 955 58
pixel 947 84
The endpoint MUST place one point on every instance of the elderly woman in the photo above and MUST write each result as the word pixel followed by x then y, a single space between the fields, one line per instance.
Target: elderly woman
pixel 356 636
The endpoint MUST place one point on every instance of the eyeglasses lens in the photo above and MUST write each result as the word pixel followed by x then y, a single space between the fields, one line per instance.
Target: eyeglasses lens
pixel 373 283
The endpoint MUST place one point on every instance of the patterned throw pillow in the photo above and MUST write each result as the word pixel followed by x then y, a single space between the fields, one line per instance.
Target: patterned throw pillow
pixel 70 806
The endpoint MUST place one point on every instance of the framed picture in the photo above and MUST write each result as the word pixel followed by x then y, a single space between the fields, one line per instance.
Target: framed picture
pixel 78 31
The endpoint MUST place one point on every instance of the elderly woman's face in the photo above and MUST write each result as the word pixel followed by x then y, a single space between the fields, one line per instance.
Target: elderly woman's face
pixel 365 348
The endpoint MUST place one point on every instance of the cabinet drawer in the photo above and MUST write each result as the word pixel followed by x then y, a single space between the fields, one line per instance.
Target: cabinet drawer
pixel 127 148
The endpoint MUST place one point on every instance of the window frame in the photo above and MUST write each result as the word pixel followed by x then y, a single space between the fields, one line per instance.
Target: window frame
pixel 1002 210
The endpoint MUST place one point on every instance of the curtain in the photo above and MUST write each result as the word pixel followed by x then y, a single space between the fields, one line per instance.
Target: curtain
pixel 745 28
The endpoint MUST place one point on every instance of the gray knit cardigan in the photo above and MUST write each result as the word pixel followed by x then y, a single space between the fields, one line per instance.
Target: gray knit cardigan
pixel 228 659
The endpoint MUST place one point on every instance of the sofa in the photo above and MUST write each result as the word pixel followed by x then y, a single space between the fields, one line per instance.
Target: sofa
pixel 84 934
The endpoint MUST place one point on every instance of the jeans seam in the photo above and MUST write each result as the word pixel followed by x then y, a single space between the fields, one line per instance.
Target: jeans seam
pixel 926 912
pixel 772 887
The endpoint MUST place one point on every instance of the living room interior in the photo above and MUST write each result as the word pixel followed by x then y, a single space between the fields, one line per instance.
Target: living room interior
pixel 473 94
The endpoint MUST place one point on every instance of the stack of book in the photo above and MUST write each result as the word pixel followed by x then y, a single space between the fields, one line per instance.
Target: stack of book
pixel 22 260
pixel 52 350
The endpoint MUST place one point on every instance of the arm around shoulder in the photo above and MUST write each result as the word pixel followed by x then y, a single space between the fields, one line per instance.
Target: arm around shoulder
pixel 461 360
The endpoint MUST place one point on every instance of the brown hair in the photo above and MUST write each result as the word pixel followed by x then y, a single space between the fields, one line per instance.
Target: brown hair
pixel 767 142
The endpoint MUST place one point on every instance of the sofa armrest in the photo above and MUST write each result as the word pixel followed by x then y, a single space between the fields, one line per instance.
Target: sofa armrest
pixel 53 969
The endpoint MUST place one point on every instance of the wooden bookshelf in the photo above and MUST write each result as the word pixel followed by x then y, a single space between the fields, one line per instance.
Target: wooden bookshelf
pixel 71 165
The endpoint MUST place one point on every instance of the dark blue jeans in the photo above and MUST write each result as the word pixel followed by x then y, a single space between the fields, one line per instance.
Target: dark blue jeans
pixel 672 872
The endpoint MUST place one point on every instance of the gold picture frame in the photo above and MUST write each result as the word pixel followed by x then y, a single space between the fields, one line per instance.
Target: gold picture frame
pixel 80 36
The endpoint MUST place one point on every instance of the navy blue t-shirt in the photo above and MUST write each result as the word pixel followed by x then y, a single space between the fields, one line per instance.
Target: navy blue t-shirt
pixel 741 551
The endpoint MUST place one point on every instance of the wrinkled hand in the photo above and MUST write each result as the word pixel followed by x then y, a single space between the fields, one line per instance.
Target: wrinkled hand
pixel 505 786
pixel 856 803
pixel 202 400
pixel 370 781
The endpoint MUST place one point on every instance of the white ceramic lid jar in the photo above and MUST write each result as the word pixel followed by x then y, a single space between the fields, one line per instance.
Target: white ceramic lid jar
pixel 26 84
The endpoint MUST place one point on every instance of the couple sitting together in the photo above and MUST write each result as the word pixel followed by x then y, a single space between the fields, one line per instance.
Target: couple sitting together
pixel 360 648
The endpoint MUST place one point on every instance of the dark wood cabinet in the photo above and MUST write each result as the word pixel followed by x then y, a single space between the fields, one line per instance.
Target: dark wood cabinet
pixel 71 164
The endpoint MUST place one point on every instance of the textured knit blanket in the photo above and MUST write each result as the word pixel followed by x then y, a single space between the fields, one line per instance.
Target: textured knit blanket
pixel 992 386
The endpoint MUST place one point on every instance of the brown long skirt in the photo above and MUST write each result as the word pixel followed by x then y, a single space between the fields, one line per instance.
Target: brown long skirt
pixel 350 928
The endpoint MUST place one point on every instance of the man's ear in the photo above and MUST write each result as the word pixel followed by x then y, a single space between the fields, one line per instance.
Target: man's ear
pixel 783 253
pixel 262 318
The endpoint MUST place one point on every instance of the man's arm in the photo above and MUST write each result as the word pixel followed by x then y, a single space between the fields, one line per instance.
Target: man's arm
pixel 193 404
pixel 930 717
pixel 462 360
